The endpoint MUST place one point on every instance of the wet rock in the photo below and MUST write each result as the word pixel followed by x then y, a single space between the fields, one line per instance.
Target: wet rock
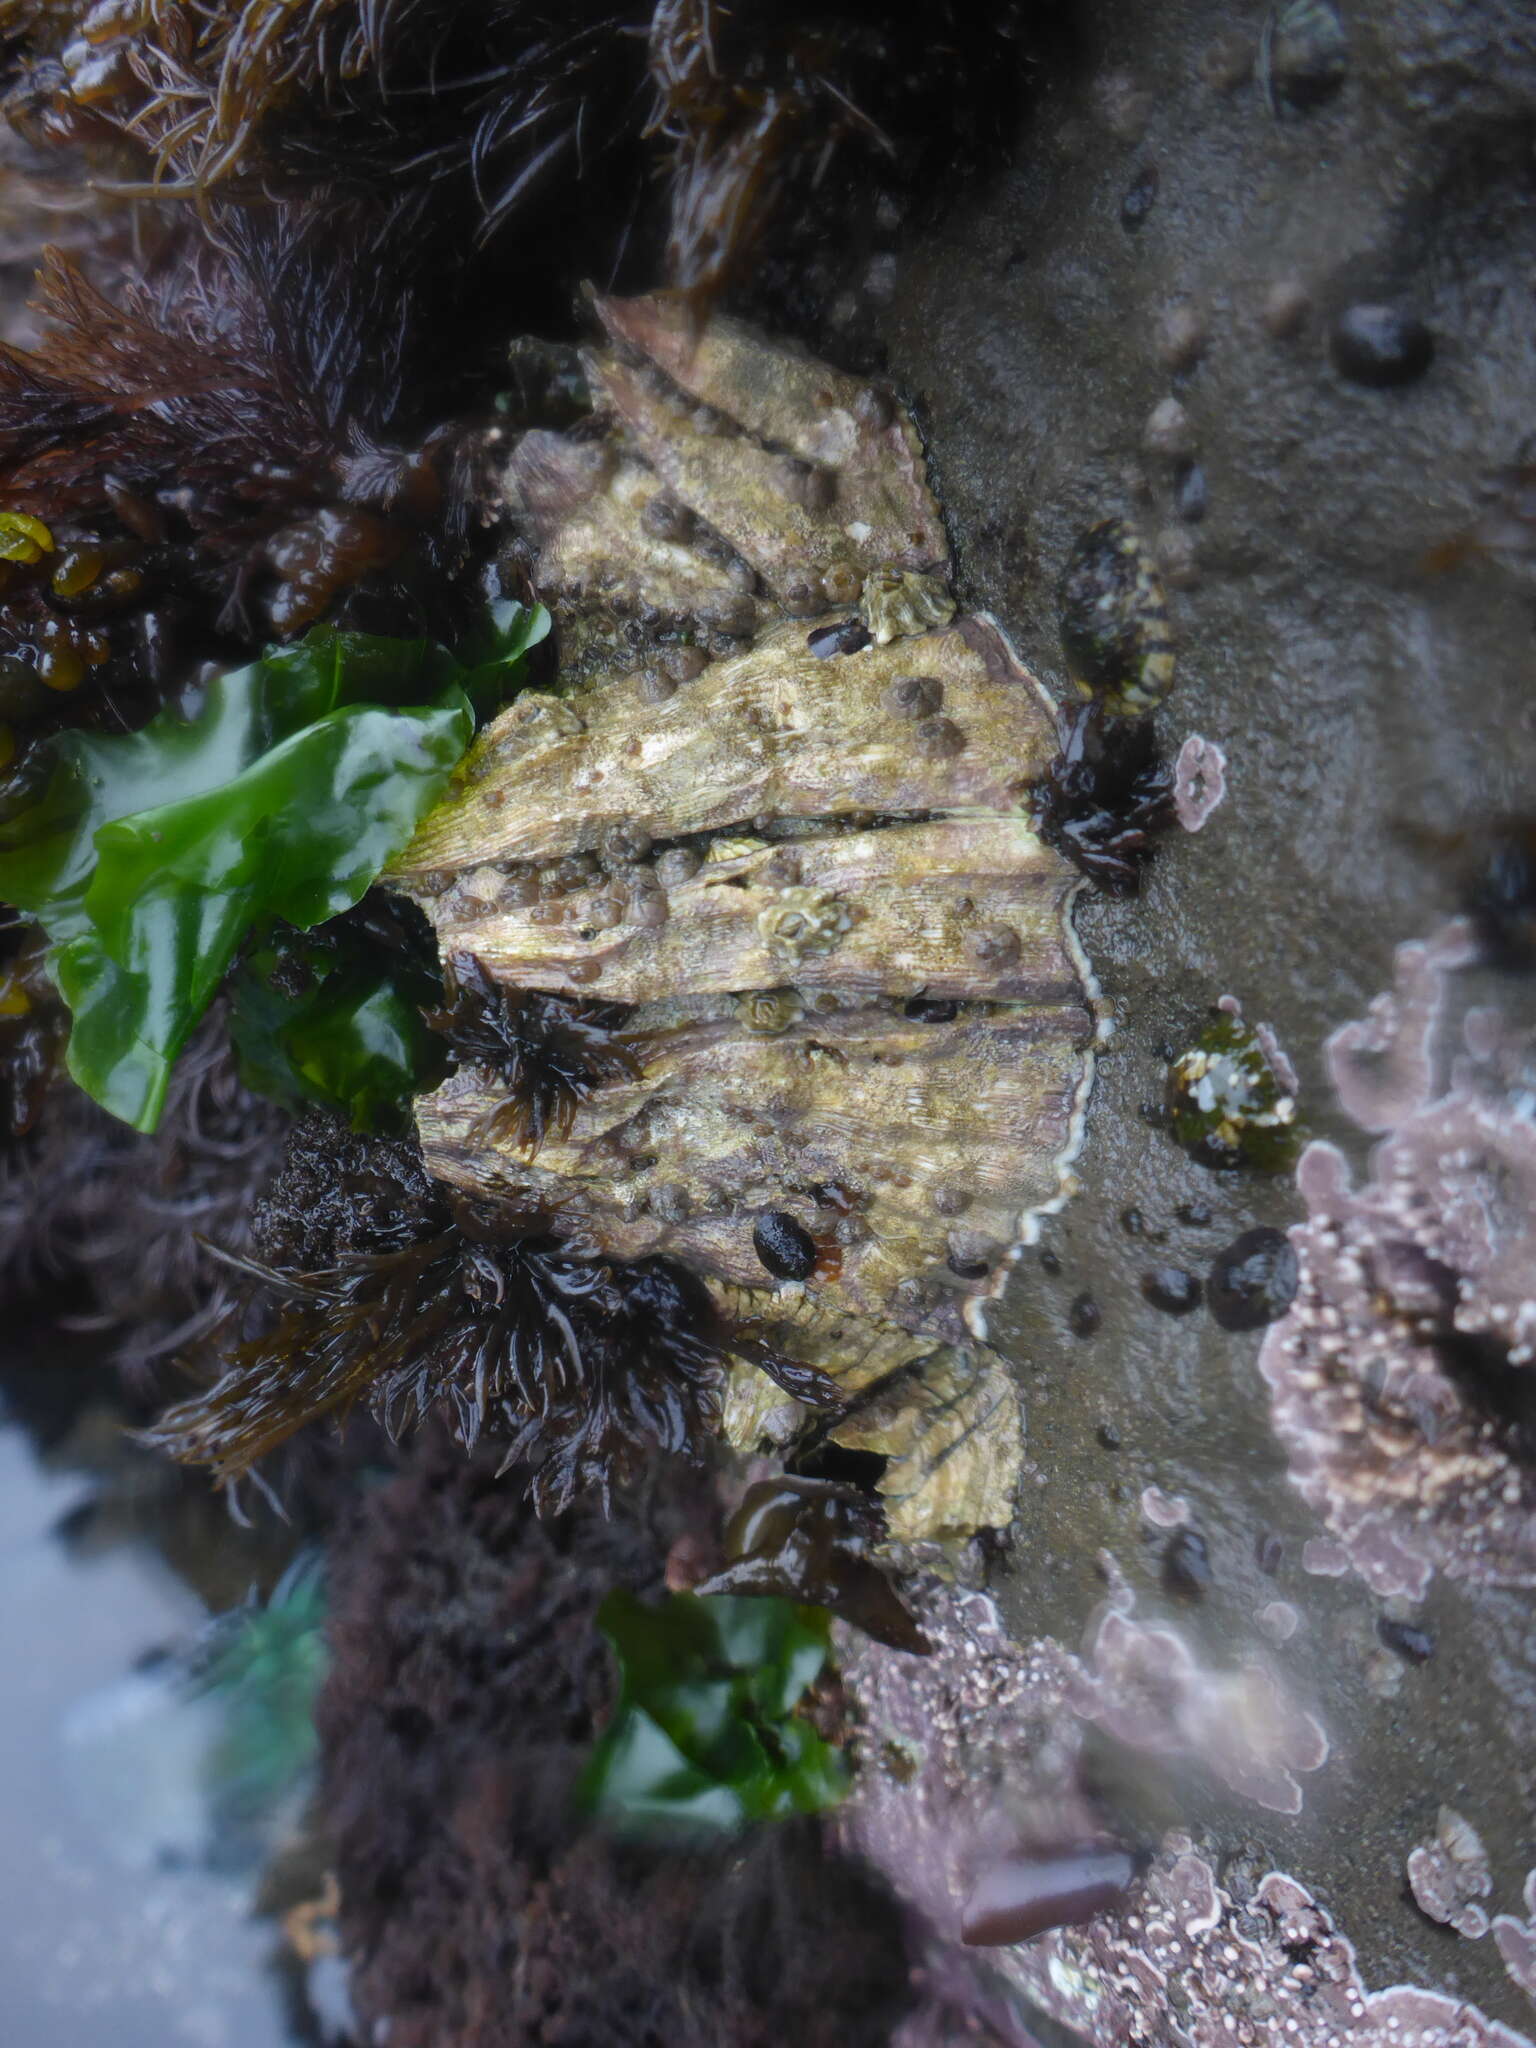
pixel 1191 495
pixel 1353 695
pixel 1140 198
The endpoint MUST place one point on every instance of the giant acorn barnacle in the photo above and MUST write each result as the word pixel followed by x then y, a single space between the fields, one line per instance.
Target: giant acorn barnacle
pixel 842 952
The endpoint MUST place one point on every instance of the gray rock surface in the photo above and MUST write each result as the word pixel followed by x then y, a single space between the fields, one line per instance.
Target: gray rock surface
pixel 1360 701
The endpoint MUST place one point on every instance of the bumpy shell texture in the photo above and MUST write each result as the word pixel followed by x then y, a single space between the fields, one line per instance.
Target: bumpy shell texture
pixel 796 851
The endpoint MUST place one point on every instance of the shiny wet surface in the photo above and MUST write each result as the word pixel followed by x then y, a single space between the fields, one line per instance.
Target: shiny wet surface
pixel 128 1897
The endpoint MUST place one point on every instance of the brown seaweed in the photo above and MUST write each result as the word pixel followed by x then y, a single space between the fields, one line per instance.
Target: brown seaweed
pixel 581 1369
pixel 812 1540
pixel 551 1053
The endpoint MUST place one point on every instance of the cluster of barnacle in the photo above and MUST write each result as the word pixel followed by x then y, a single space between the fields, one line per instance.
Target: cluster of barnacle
pixel 1109 791
pixel 231 428
pixel 753 889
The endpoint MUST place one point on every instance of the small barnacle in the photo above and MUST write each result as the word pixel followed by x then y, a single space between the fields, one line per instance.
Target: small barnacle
pixel 899 602
pixel 936 739
pixel 1229 1106
pixel 1303 56
pixel 804 920
pixel 1114 621
pixel 767 1012
pixel 992 945
pixel 913 696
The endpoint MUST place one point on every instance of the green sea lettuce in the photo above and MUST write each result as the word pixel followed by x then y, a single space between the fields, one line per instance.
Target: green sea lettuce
pixel 151 856
pixel 331 1016
pixel 705 1738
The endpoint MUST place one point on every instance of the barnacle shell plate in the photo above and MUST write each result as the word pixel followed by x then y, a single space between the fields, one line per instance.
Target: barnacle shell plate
pixel 834 844
pixel 978 1109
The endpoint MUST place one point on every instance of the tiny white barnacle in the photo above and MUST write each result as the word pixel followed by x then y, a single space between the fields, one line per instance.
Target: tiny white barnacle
pixel 802 920
pixel 899 602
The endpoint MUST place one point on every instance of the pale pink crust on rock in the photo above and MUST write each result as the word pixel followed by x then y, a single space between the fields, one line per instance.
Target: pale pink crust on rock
pixel 1384 1443
pixel 1517 1941
pixel 1416 1298
pixel 964 1755
pixel 1199 782
pixel 1146 1686
pixel 1449 1874
pixel 972 1754
pixel 1383 1066
pixel 1163 1510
